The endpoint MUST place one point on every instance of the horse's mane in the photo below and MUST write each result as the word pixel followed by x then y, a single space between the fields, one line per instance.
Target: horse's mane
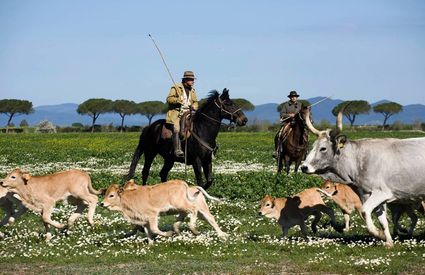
pixel 212 95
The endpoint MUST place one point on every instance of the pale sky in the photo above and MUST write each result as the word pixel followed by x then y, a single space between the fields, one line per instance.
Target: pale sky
pixel 55 52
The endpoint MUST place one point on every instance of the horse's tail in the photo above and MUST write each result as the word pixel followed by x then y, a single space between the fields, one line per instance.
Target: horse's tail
pixel 137 153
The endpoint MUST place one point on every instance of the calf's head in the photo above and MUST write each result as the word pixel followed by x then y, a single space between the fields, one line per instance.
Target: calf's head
pixel 112 199
pixel 267 207
pixel 328 188
pixel 15 179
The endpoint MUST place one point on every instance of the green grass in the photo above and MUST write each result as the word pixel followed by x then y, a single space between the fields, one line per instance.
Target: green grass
pixel 254 245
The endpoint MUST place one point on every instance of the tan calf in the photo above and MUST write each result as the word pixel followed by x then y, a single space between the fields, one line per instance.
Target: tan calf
pixel 295 210
pixel 41 193
pixel 142 205
pixel 345 197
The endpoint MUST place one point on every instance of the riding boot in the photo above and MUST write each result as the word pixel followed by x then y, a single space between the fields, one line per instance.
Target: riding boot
pixel 177 145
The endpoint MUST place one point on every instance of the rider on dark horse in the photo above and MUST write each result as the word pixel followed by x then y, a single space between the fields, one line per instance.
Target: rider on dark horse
pixel 181 99
pixel 288 112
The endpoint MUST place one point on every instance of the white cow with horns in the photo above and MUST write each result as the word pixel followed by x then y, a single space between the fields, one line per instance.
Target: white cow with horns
pixel 385 170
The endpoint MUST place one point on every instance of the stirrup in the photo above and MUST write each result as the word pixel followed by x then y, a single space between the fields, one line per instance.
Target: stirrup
pixel 179 153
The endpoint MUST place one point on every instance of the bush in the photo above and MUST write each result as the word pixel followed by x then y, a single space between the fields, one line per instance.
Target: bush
pixel 45 126
pixel 134 128
pixel 324 124
pixel 417 125
pixel 68 129
pixel 398 125
pixel 24 123
pixel 77 125
pixel 108 128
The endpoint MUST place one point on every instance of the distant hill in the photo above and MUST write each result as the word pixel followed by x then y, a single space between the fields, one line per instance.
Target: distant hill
pixel 65 114
pixel 323 111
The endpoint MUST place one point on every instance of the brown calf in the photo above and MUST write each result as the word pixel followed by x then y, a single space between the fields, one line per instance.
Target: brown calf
pixel 296 209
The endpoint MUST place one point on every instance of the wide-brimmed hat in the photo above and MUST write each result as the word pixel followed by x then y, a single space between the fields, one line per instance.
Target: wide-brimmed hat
pixel 293 93
pixel 189 75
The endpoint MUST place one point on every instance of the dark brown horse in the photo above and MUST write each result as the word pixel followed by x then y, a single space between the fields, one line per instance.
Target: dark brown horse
pixel 293 146
pixel 201 143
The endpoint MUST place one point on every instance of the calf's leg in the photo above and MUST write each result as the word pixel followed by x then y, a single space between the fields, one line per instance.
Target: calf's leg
pixel 329 211
pixel 192 222
pixel 179 220
pixel 46 216
pixel 317 216
pixel 8 210
pixel 80 208
pixel 206 215
pixel 92 202
pixel 153 227
pixel 347 221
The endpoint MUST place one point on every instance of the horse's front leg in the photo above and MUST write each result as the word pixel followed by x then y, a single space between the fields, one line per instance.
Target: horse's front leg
pixel 207 166
pixel 297 164
pixel 287 164
pixel 197 168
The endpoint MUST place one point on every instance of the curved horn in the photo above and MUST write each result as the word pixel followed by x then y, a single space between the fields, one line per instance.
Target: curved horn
pixel 339 117
pixel 309 124
pixel 339 120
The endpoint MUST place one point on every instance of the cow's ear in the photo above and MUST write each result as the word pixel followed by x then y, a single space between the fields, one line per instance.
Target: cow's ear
pixel 26 177
pixel 340 143
pixel 341 140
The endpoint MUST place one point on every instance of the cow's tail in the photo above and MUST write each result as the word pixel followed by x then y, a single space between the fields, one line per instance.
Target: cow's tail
pixel 208 196
pixel 94 191
pixel 137 154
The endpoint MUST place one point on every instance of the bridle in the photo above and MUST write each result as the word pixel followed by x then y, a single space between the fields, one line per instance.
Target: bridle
pixel 219 105
pixel 222 109
pixel 233 116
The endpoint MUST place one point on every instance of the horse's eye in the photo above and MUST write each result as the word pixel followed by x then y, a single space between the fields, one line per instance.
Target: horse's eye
pixel 13 177
pixel 323 149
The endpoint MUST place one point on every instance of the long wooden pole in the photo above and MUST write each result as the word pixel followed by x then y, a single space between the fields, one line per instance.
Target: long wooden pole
pixel 163 60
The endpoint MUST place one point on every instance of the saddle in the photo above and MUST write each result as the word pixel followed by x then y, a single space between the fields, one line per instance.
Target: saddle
pixel 185 127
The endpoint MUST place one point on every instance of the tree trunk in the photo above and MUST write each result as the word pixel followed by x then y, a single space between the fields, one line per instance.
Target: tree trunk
pixel 93 122
pixel 8 122
pixel 385 122
pixel 352 119
pixel 150 119
pixel 122 122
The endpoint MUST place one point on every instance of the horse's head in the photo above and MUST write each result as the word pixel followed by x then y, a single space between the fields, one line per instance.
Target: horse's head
pixel 229 110
pixel 301 114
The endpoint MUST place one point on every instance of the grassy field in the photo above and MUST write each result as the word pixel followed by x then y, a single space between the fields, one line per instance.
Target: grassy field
pixel 244 172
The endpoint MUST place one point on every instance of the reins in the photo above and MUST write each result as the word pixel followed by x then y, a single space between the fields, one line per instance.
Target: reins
pixel 198 138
